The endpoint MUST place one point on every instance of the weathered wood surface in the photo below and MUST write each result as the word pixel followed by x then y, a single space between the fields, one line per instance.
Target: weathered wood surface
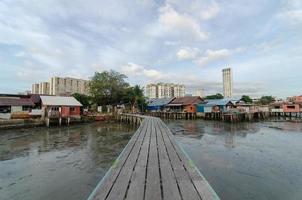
pixel 153 166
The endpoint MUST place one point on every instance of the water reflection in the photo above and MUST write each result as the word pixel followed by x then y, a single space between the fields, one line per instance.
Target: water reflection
pixel 246 160
pixel 58 163
pixel 228 131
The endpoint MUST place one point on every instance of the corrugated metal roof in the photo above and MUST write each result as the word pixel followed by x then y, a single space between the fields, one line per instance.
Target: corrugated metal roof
pixel 218 102
pixel 59 101
pixel 16 102
pixel 160 102
pixel 186 100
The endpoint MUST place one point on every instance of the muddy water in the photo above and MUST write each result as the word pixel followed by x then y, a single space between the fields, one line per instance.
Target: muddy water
pixel 247 161
pixel 58 163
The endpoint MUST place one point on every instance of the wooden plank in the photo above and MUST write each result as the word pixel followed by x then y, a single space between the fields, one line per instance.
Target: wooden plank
pixel 102 190
pixel 153 166
pixel 184 181
pixel 136 189
pixel 169 184
pixel 153 189
pixel 120 187
pixel 201 185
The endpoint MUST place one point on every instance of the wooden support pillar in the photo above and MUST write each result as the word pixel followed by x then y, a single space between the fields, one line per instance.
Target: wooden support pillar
pixel 47 121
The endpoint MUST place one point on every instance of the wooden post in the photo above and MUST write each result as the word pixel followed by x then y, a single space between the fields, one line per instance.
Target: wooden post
pixel 47 121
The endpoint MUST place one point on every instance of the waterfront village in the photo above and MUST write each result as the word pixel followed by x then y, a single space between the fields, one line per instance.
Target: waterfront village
pixel 66 100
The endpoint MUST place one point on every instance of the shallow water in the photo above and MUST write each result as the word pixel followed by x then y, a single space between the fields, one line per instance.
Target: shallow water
pixel 248 161
pixel 60 162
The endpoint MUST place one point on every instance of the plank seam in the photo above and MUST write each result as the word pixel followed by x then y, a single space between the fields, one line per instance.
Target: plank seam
pixel 171 164
pixel 136 161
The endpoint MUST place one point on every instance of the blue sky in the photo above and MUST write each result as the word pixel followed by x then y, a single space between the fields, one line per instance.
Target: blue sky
pixel 179 41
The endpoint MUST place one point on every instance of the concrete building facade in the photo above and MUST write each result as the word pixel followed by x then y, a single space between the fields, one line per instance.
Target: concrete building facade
pixel 35 88
pixel 151 91
pixel 227 75
pixel 68 86
pixel 43 88
pixel 61 86
pixel 165 90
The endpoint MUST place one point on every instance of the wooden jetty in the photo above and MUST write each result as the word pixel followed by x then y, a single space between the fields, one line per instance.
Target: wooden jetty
pixel 173 115
pixel 153 166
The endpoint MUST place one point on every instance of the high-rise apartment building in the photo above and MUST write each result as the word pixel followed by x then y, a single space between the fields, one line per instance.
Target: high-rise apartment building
pixel 44 88
pixel 35 88
pixel 165 90
pixel 61 86
pixel 227 82
pixel 68 86
pixel 151 91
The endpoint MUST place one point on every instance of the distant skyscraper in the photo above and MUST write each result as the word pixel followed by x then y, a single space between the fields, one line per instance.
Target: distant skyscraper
pixel 227 82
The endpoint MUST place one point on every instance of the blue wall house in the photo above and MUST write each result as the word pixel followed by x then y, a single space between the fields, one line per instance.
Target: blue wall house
pixel 215 105
pixel 158 104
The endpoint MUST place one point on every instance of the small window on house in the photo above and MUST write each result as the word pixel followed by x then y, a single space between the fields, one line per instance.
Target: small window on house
pixel 72 109
pixel 55 108
pixel 5 109
pixel 25 108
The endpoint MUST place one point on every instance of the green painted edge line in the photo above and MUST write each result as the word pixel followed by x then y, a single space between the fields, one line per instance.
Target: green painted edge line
pixel 193 166
pixel 114 165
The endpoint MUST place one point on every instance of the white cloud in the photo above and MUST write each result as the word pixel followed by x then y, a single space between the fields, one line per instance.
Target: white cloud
pixel 210 11
pixel 294 16
pixel 214 55
pixel 186 53
pixel 132 69
pixel 200 9
pixel 180 24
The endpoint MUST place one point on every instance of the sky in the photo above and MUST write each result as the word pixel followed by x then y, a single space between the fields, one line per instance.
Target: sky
pixel 179 41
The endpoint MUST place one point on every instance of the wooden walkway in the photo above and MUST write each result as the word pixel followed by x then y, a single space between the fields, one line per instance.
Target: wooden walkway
pixel 153 167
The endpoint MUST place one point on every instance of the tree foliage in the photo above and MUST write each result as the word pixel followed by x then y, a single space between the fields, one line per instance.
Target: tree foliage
pixel 215 96
pixel 85 100
pixel 108 87
pixel 265 100
pixel 135 97
pixel 246 99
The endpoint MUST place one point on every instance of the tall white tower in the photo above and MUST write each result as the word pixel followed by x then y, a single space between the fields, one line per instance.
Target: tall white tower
pixel 227 82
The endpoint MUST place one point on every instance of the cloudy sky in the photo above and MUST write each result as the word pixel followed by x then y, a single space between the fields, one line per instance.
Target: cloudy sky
pixel 177 41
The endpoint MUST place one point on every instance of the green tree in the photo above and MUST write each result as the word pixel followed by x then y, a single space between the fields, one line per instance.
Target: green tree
pixel 265 100
pixel 246 99
pixel 85 100
pixel 215 96
pixel 108 87
pixel 135 97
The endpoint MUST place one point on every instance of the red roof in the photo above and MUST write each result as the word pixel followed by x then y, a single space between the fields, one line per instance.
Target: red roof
pixel 186 101
pixel 15 102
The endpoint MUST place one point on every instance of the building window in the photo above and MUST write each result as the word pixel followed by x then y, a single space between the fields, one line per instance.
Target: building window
pixel 25 108
pixel 55 108
pixel 72 109
pixel 5 109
